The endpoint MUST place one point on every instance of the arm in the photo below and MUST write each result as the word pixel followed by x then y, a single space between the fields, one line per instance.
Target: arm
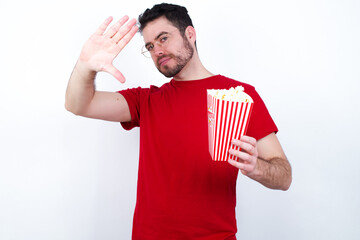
pixel 97 55
pixel 263 161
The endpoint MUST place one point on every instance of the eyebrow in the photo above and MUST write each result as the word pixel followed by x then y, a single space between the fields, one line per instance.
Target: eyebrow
pixel 157 37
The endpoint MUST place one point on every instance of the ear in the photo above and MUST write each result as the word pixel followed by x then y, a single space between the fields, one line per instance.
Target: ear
pixel 190 33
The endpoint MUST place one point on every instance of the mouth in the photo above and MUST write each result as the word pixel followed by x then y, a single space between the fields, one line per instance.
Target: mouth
pixel 163 60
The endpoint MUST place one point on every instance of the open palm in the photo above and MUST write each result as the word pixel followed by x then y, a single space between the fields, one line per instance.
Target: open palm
pixel 100 50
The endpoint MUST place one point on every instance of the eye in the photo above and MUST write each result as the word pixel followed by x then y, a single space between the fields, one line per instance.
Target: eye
pixel 164 39
pixel 150 47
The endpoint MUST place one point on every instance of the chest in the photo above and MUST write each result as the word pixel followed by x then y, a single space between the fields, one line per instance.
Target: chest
pixel 180 115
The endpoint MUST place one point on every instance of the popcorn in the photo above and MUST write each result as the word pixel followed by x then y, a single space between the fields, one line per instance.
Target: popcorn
pixel 228 117
pixel 233 94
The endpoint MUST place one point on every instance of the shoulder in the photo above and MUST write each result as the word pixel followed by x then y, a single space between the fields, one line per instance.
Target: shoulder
pixel 137 91
pixel 145 91
pixel 156 90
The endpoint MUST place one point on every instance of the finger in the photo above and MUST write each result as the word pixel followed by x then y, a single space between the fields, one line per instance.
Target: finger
pixel 103 26
pixel 244 168
pixel 115 28
pixel 248 139
pixel 116 73
pixel 245 146
pixel 124 30
pixel 126 39
pixel 245 157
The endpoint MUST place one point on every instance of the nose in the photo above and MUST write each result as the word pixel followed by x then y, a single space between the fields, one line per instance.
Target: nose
pixel 158 50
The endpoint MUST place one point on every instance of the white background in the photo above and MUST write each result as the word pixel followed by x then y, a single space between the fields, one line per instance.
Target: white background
pixel 67 177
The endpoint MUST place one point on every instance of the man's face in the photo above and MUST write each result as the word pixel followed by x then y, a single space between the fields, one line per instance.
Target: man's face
pixel 169 50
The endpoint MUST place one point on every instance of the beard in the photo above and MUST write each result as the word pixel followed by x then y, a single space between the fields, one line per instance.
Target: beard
pixel 181 60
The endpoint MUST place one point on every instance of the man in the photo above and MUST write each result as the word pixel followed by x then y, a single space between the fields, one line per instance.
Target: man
pixel 182 193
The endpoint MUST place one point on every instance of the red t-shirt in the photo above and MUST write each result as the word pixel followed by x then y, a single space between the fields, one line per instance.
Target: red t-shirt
pixel 181 192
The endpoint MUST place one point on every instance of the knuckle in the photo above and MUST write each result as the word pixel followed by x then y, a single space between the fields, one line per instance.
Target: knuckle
pixel 251 149
pixel 247 158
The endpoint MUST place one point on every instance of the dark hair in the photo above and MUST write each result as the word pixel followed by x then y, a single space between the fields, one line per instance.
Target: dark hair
pixel 175 14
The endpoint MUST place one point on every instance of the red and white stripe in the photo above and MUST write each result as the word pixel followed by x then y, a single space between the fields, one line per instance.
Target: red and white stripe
pixel 227 120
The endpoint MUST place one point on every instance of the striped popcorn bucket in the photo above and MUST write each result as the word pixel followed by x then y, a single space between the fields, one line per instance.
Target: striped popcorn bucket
pixel 227 120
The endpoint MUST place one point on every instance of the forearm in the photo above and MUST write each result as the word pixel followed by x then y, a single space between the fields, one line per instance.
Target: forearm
pixel 80 90
pixel 274 173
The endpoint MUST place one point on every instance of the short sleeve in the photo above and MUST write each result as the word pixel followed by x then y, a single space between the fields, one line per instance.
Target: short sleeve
pixel 133 98
pixel 261 124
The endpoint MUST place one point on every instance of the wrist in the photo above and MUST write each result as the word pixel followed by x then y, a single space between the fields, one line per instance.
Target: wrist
pixel 83 70
pixel 258 172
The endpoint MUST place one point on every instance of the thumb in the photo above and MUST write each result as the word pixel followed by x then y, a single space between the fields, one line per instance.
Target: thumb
pixel 116 73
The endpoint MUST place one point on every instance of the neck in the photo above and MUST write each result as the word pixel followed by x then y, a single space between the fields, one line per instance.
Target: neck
pixel 193 70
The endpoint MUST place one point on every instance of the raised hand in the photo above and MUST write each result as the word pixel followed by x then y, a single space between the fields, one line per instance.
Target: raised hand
pixel 100 50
